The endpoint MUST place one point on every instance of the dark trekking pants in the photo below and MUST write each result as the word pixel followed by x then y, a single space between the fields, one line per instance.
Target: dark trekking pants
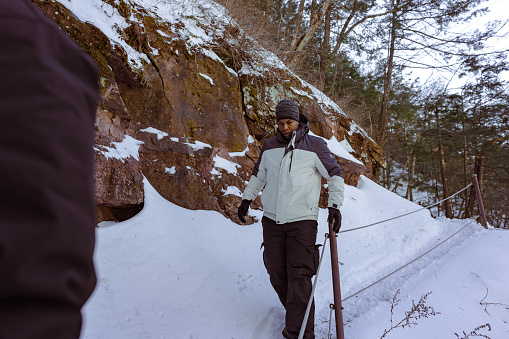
pixel 291 259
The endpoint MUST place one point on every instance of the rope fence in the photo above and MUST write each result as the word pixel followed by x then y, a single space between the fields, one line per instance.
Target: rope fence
pixel 341 300
pixel 419 257
pixel 403 215
pixel 411 262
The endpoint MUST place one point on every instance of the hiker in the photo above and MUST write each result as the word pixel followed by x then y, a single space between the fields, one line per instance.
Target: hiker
pixel 290 168
pixel 48 101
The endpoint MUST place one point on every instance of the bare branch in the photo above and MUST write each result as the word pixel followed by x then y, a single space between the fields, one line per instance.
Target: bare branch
pixel 417 311
pixel 316 20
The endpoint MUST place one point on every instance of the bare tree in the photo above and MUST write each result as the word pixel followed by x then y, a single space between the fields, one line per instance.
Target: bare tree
pixel 300 43
pixel 298 22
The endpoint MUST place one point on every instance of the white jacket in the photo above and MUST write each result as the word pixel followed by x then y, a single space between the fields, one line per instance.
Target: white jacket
pixel 291 174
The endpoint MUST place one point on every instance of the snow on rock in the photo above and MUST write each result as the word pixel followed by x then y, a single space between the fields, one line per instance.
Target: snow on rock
pixel 227 165
pixel 197 145
pixel 160 134
pixel 171 170
pixel 232 190
pixel 250 140
pixel 109 21
pixel 340 148
pixel 126 148
pixel 208 78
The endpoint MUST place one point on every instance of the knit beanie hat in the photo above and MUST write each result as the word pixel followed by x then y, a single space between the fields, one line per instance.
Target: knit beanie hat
pixel 287 109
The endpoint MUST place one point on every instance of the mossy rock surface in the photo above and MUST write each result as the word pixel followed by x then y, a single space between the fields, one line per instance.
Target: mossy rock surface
pixel 190 94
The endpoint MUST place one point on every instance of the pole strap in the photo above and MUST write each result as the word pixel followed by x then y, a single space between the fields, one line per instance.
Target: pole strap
pixel 310 302
pixel 332 308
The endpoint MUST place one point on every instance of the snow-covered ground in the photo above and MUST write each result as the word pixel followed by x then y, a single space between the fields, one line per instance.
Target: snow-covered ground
pixel 170 272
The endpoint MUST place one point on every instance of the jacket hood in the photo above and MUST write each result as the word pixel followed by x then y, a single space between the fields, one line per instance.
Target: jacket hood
pixel 302 131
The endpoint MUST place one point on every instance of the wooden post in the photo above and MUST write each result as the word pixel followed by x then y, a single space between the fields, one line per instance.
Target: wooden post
pixel 479 201
pixel 338 309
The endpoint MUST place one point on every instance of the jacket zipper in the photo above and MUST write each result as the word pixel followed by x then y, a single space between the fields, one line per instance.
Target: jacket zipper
pixel 291 159
pixel 292 150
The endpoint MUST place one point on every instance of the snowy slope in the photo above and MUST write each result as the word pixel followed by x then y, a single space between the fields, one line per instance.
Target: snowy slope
pixel 473 273
pixel 176 273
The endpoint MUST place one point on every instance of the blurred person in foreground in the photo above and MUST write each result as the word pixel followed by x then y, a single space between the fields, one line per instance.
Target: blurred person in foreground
pixel 289 170
pixel 48 98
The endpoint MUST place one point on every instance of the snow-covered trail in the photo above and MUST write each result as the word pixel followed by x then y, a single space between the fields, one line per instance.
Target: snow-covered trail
pixel 176 273
pixel 459 281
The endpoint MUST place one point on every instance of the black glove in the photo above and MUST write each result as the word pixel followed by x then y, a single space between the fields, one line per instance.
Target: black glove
pixel 335 218
pixel 243 208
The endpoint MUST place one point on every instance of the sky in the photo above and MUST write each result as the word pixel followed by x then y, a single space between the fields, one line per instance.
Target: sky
pixel 498 10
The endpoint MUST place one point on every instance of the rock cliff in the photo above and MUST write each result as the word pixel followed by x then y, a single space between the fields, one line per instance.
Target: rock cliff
pixel 187 100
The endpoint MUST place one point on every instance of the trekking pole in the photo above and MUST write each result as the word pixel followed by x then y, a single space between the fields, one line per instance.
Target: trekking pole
pixel 310 302
pixel 338 309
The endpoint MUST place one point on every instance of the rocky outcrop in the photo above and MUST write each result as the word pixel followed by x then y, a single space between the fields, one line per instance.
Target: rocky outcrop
pixel 187 102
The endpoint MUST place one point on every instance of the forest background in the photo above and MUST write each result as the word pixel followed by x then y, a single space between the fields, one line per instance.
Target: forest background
pixel 422 77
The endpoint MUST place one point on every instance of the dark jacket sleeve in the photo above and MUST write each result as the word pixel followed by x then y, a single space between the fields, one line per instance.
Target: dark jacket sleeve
pixel 48 98
pixel 330 169
pixel 258 177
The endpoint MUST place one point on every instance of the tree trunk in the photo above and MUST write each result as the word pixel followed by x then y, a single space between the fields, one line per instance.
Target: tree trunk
pixel 469 210
pixel 381 137
pixel 437 194
pixel 316 20
pixel 480 172
pixel 332 88
pixel 443 172
pixel 465 171
pixel 445 184
pixel 384 169
pixel 397 181
pixel 268 8
pixel 411 165
pixel 324 54
pixel 387 173
pixel 466 196
pixel 298 22
pixel 480 179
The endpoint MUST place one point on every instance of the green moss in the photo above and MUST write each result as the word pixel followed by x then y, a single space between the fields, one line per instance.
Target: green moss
pixel 237 147
pixel 250 93
pixel 104 81
pixel 274 93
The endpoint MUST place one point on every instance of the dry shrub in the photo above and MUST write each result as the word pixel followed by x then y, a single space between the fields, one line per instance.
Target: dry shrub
pixel 253 21
pixel 358 112
pixel 418 311
pixel 475 333
pixel 231 55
